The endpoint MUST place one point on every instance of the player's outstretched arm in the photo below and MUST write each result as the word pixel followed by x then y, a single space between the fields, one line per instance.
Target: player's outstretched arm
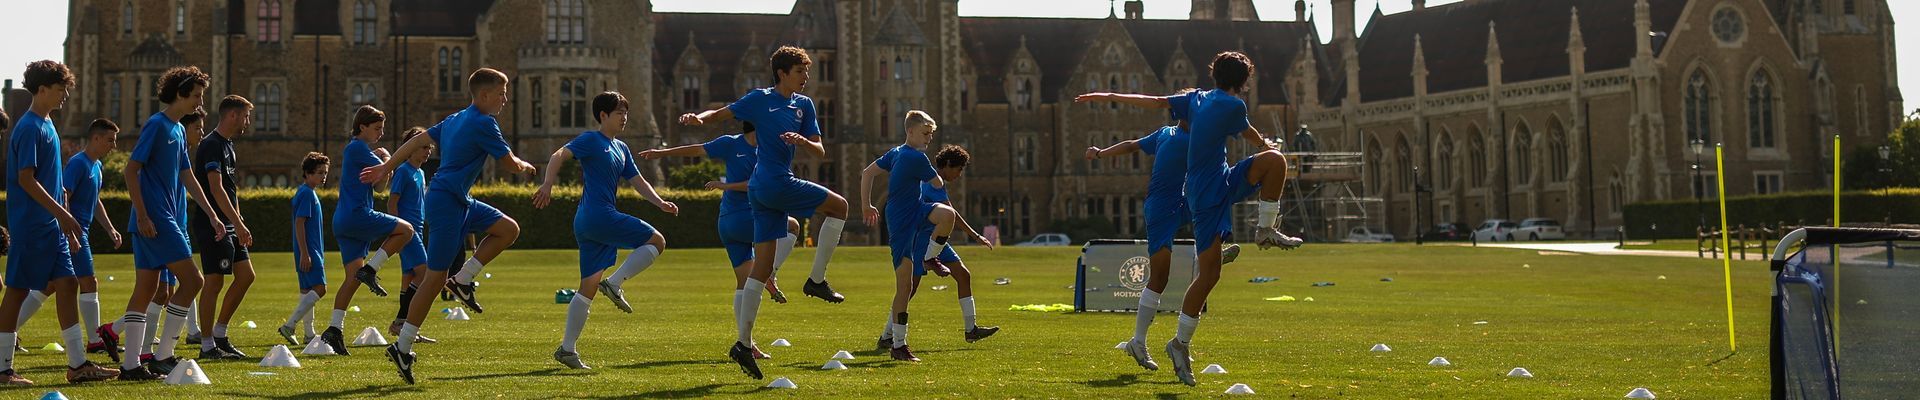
pixel 740 186
pixel 545 195
pixel 691 150
pixel 1136 100
pixel 370 175
pixel 1117 149
pixel 704 117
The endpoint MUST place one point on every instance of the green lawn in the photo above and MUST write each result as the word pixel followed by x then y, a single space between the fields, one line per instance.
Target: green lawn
pixel 1587 326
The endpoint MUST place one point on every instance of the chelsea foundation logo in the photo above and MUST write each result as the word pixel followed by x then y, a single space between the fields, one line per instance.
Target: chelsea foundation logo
pixel 1134 273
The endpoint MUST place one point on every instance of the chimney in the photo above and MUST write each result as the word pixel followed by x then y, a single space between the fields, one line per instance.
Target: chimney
pixel 1300 10
pixel 1419 5
pixel 1136 9
pixel 1343 20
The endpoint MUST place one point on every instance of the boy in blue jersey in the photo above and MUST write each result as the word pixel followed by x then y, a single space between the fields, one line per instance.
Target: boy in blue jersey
pixel 908 167
pixel 950 163
pixel 598 225
pixel 159 178
pixel 81 181
pixel 406 199
pixel 773 190
pixel 48 232
pixel 1212 187
pixel 1166 212
pixel 309 262
pixel 214 167
pixel 466 140
pixel 357 227
pixel 736 153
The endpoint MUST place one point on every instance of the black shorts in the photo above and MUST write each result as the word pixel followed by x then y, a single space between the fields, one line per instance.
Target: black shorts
pixel 217 257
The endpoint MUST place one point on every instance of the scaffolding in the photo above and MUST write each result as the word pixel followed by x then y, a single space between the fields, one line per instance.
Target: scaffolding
pixel 1321 202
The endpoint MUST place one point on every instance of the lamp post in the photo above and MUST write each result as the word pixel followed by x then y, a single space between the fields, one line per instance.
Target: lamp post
pixel 1417 221
pixel 1886 166
pixel 1698 186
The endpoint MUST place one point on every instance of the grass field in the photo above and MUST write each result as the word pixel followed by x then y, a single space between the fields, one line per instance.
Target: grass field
pixel 1588 327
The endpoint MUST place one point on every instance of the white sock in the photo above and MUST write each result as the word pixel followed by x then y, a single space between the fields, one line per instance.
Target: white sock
pixel 637 261
pixel 133 329
pixel 467 272
pixel 576 321
pixel 6 355
pixel 155 313
pixel 90 315
pixel 1269 214
pixel 407 332
pixel 886 330
pixel 749 309
pixel 220 331
pixel 899 331
pixel 378 259
pixel 75 339
pixel 1149 304
pixel 1187 324
pixel 206 341
pixel 176 321
pixel 193 320
pixel 829 239
pixel 339 318
pixel 782 248
pixel 300 311
pixel 736 305
pixel 27 308
pixel 933 249
pixel 966 312
pixel 306 324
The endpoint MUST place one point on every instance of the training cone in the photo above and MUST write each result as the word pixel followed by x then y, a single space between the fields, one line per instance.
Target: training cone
pixel 833 364
pixel 317 347
pixel 842 355
pixel 1213 369
pixel 54 395
pixel 1640 393
pixel 781 343
pixel 1519 373
pixel 188 373
pixel 1239 388
pixel 280 357
pixel 370 337
pixel 458 314
pixel 783 383
pixel 250 325
pixel 1439 362
pixel 53 347
pixel 1381 348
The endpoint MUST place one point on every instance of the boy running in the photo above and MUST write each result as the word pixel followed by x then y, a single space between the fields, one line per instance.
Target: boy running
pixel 159 178
pixel 907 215
pixel 48 233
pixel 356 226
pixel 598 225
pixel 1212 186
pixel 775 193
pixel 466 140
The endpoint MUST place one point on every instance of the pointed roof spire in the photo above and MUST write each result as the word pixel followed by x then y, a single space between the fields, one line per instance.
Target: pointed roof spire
pixel 1574 38
pixel 1111 14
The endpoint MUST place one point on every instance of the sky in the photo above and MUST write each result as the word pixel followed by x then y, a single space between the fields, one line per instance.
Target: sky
pixel 50 19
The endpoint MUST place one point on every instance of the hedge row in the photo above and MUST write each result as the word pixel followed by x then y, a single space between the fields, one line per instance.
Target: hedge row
pixel 269 211
pixel 1677 218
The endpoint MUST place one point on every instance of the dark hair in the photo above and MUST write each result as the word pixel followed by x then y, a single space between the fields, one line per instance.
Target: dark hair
pixel 233 103
pixel 192 117
pixel 485 78
pixel 313 162
pixel 746 127
pixel 102 125
pixel 364 115
pixel 178 81
pixel 411 132
pixel 787 57
pixel 1230 71
pixel 952 156
pixel 45 73
pixel 608 102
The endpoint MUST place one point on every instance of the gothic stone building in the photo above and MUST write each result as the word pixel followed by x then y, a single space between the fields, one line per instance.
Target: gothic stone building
pixel 1511 108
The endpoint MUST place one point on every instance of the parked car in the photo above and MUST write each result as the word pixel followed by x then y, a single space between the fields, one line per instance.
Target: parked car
pixel 1540 229
pixel 1048 239
pixel 1366 234
pixel 1447 231
pixel 1495 230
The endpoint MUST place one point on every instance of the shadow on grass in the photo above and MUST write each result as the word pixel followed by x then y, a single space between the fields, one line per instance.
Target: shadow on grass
pixel 374 391
pixel 522 374
pixel 669 363
pixel 1122 380
pixel 692 392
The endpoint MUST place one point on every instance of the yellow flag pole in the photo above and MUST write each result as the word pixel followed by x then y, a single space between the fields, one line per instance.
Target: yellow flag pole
pixel 1726 263
pixel 1835 252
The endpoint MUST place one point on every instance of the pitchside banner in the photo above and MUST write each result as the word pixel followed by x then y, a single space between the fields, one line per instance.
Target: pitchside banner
pixel 1112 272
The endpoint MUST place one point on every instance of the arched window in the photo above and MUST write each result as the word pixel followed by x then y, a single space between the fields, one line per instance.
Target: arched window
pixel 365 22
pixel 1617 193
pixel 1698 110
pixel 1403 165
pixel 126 17
pixel 539 107
pixel 1523 154
pixel 1375 161
pixel 180 17
pixel 1557 152
pixel 113 100
pixel 268 21
pixel 1113 85
pixel 459 70
pixel 566 22
pixel 1760 112
pixel 444 71
pixel 267 98
pixel 1443 164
